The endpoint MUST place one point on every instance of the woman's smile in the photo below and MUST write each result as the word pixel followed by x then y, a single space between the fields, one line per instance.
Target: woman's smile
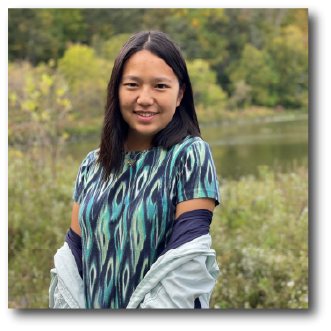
pixel 146 116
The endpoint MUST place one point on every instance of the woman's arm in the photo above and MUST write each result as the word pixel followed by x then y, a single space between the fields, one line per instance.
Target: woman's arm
pixel 74 219
pixel 198 203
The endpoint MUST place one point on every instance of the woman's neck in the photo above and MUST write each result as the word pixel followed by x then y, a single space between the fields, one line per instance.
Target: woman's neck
pixel 137 145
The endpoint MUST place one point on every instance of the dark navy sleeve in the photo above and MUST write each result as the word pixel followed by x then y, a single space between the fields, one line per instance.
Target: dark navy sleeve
pixel 75 244
pixel 188 226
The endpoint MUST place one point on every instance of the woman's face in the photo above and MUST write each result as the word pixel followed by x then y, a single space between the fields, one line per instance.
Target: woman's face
pixel 148 86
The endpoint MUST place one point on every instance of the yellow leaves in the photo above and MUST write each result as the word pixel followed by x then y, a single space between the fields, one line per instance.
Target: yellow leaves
pixel 28 105
pixel 45 116
pixel 36 117
pixel 71 117
pixel 51 63
pixel 65 135
pixel 46 82
pixel 44 89
pixel 16 153
pixel 60 92
pixel 12 99
pixel 29 84
pixel 35 95
pixel 179 12
pixel 206 12
pixel 219 13
pixel 195 23
pixel 47 79
pixel 66 103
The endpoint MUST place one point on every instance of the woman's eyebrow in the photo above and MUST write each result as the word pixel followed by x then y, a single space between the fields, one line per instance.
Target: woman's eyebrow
pixel 156 79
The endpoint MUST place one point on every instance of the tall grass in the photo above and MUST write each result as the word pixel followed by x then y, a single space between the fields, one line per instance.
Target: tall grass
pixel 260 233
pixel 39 214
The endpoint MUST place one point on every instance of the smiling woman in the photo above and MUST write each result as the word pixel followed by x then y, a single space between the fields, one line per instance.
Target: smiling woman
pixel 149 93
pixel 143 201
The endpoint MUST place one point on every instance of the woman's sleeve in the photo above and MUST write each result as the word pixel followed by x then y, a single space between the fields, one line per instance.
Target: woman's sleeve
pixel 66 289
pixel 196 174
pixel 81 178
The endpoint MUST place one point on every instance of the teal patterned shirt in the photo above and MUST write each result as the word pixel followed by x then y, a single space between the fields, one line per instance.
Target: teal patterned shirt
pixel 127 223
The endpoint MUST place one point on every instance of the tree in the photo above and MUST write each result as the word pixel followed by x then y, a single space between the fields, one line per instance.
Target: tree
pixel 41 34
pixel 205 89
pixel 290 61
pixel 252 69
pixel 87 78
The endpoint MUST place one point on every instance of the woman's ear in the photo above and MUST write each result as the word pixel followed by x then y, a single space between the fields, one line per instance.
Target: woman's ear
pixel 181 94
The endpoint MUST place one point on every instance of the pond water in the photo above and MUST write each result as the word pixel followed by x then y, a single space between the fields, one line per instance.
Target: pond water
pixel 238 149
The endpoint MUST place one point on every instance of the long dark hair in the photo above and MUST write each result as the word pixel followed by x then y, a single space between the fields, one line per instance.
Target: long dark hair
pixel 115 129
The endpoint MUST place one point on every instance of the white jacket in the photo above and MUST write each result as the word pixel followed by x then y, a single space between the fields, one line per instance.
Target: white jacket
pixel 175 280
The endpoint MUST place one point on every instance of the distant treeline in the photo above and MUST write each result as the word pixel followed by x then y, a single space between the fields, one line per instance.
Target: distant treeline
pixel 237 57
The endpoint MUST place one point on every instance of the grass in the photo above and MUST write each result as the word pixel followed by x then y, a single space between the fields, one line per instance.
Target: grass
pixel 260 234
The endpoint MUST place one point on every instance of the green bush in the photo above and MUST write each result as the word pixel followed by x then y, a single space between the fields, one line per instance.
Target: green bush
pixel 260 234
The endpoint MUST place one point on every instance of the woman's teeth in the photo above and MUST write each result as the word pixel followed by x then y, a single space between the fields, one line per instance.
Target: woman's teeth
pixel 145 115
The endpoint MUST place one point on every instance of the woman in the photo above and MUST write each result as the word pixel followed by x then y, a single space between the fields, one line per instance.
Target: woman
pixel 144 200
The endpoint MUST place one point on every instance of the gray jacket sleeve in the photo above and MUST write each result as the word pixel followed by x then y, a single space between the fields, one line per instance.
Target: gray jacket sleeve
pixel 66 289
pixel 181 286
pixel 176 279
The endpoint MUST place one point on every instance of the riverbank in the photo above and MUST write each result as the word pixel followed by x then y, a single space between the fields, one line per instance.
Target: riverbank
pixel 90 129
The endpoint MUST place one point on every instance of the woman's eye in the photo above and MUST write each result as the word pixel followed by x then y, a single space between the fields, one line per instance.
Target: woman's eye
pixel 131 84
pixel 161 86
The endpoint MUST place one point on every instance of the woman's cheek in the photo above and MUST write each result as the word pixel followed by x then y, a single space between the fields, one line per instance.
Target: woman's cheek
pixel 167 103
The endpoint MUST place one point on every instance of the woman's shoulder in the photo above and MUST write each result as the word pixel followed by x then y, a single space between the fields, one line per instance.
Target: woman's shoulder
pixel 90 158
pixel 191 143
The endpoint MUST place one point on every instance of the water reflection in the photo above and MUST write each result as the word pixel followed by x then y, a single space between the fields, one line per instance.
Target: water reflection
pixel 238 149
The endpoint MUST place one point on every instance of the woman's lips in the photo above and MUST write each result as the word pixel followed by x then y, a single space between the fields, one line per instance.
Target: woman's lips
pixel 147 118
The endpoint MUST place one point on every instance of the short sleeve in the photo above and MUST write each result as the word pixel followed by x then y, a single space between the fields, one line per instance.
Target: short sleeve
pixel 82 177
pixel 196 176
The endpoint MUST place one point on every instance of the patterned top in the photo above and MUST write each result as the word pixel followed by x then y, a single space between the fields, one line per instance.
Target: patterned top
pixel 127 223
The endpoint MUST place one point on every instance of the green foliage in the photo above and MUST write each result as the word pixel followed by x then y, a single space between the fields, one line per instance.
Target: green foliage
pixel 252 69
pixel 206 91
pixel 39 106
pixel 260 235
pixel 290 61
pixel 41 34
pixel 81 67
pixel 39 217
pixel 204 25
pixel 87 77
pixel 110 48
pixel 241 97
pixel 260 56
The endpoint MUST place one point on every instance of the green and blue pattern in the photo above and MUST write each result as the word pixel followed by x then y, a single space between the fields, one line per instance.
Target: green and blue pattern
pixel 127 223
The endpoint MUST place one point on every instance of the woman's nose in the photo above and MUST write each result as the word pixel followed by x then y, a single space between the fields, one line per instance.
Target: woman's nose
pixel 145 98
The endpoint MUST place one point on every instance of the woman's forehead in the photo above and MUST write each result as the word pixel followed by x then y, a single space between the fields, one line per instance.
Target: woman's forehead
pixel 145 63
